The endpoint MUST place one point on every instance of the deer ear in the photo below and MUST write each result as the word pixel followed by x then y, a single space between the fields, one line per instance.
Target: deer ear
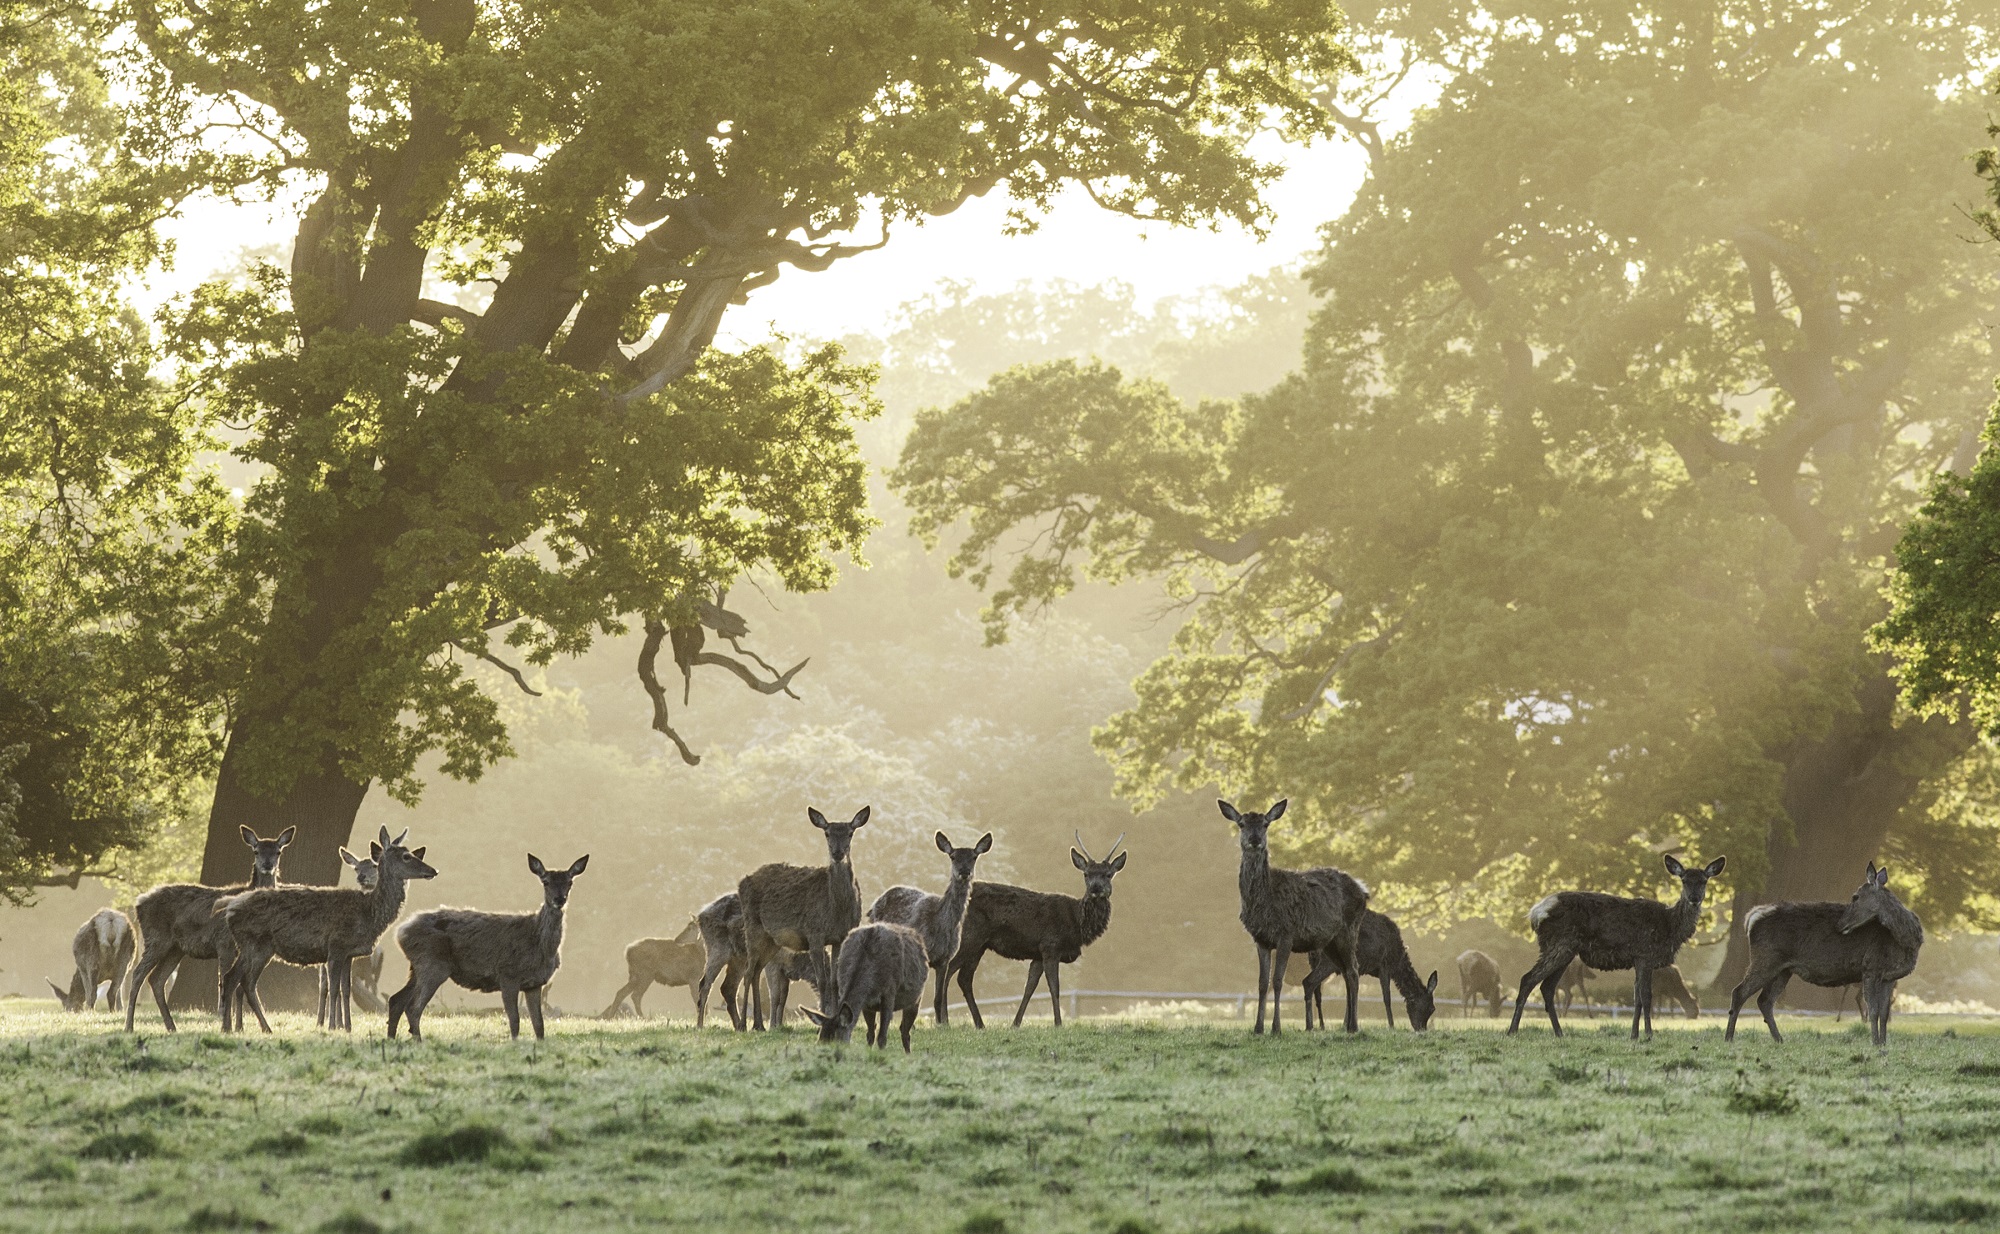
pixel 944 845
pixel 1715 867
pixel 250 838
pixel 535 866
pixel 418 852
pixel 285 836
pixel 374 851
pixel 1882 877
pixel 62 995
pixel 383 839
pixel 816 818
pixel 1674 867
pixel 1229 811
pixel 985 843
pixel 1118 862
pixel 348 858
pixel 576 867
pixel 1432 984
pixel 861 817
pixel 1277 812
pixel 1076 859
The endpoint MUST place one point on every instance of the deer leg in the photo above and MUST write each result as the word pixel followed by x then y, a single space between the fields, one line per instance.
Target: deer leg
pixel 1351 978
pixel 248 991
pixel 1388 1008
pixel 510 998
pixel 1281 955
pixel 1054 968
pixel 759 957
pixel 735 996
pixel 909 1022
pixel 1263 983
pixel 1034 983
pixel 938 971
pixel 534 995
pixel 1640 997
pixel 151 969
pixel 1546 972
pixel 645 984
pixel 966 969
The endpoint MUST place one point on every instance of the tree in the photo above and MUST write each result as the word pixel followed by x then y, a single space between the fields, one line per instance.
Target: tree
pixel 483 396
pixel 1562 547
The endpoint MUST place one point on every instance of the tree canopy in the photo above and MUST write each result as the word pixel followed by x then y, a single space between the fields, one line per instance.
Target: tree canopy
pixel 1561 549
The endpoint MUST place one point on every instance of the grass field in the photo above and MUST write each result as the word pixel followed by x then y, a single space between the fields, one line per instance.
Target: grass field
pixel 1110 1127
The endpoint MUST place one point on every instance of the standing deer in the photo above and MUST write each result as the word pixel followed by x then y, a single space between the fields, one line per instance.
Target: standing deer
pixel 513 953
pixel 1046 929
pixel 672 961
pixel 1871 940
pixel 1668 983
pixel 178 921
pixel 1295 910
pixel 720 922
pixel 1571 985
pixel 314 925
pixel 365 870
pixel 1612 932
pixel 1478 976
pixel 937 919
pixel 806 908
pixel 1382 955
pixel 102 950
pixel 882 970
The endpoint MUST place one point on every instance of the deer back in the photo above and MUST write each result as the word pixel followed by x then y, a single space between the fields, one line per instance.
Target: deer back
pixel 1805 940
pixel 484 951
pixel 883 966
pixel 1607 932
pixel 303 925
pixel 800 907
pixel 1311 908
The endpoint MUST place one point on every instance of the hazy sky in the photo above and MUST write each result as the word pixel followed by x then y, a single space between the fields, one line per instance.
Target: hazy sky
pixel 1076 241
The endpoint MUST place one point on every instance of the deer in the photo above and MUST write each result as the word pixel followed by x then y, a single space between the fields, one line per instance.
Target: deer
pixel 1382 955
pixel 365 870
pixel 1295 910
pixel 1047 929
pixel 805 908
pixel 1872 940
pixel 882 970
pixel 785 968
pixel 1571 985
pixel 937 919
pixel 178 921
pixel 1612 932
pixel 513 953
pixel 1668 983
pixel 1478 977
pixel 720 923
pixel 102 950
pixel 314 925
pixel 679 960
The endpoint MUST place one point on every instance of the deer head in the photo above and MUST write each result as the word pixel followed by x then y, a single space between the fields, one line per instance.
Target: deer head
pixel 390 856
pixel 72 998
pixel 1097 874
pixel 1868 900
pixel 1251 828
pixel 963 859
pixel 366 872
pixel 264 854
pixel 556 883
pixel 839 836
pixel 1694 879
pixel 836 1027
pixel 1423 1004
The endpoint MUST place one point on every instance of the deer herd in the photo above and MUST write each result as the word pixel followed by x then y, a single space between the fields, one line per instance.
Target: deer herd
pixel 785 923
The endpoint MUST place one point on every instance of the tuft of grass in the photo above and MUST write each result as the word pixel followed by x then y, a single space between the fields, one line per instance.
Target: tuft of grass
pixel 1568 1073
pixel 348 1222
pixel 122 1146
pixel 984 1223
pixel 52 1170
pixel 1185 1135
pixel 1955 1210
pixel 1984 1071
pixel 283 1144
pixel 1134 1225
pixel 1769 1098
pixel 231 1218
pixel 470 1144
pixel 1333 1180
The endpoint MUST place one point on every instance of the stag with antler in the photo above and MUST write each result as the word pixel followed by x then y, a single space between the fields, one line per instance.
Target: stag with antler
pixel 1046 929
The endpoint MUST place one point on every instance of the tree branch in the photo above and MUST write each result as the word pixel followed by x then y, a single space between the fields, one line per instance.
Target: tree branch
pixel 649 678
pixel 1318 695
pixel 500 664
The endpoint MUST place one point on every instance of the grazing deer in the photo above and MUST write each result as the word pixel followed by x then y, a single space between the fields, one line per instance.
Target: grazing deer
pixel 1570 988
pixel 785 968
pixel 314 925
pixel 102 950
pixel 178 921
pixel 365 870
pixel 1668 983
pixel 1046 929
pixel 1295 910
pixel 882 970
pixel 672 961
pixel 513 953
pixel 1478 977
pixel 1612 932
pixel 936 918
pixel 1382 955
pixel 1871 940
pixel 805 908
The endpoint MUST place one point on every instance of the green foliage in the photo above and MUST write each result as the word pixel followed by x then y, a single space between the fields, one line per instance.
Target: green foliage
pixel 1562 547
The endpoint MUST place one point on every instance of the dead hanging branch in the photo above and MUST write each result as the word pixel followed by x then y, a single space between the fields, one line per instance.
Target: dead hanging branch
pixel 689 643
pixel 649 677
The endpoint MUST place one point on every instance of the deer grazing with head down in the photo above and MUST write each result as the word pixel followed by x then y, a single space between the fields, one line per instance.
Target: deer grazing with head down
pixel 1383 956
pixel 1317 910
pixel 937 919
pixel 178 921
pixel 508 953
pixel 314 925
pixel 1046 929
pixel 805 908
pixel 1612 932
pixel 102 950
pixel 882 970
pixel 1872 940
pixel 1478 977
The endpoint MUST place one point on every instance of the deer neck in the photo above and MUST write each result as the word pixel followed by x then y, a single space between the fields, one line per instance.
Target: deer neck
pixel 1254 875
pixel 1094 915
pixel 386 900
pixel 549 927
pixel 1404 974
pixel 841 892
pixel 1686 914
pixel 956 893
pixel 260 879
pixel 1901 923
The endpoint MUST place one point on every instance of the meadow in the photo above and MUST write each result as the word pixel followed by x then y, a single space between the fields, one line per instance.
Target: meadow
pixel 1107 1126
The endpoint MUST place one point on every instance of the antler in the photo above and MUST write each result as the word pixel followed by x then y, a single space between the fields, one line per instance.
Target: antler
pixel 1080 848
pixel 1114 846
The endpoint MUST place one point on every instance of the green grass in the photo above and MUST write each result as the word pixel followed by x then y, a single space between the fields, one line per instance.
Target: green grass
pixel 1106 1127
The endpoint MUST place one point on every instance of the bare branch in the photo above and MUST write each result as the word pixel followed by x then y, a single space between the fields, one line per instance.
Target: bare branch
pixel 500 664
pixel 1340 662
pixel 649 677
pixel 435 313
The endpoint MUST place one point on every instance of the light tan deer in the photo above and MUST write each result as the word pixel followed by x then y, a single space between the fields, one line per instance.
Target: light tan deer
pixel 178 921
pixel 102 950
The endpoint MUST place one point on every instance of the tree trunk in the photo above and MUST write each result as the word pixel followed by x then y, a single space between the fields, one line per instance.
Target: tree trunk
pixel 322 805
pixel 1843 794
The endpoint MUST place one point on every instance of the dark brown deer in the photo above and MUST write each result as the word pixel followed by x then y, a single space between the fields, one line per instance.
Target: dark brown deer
pixel 937 919
pixel 882 970
pixel 178 921
pixel 1046 929
pixel 805 908
pixel 1669 984
pixel 1383 956
pixel 1612 932
pixel 1478 977
pixel 1871 940
pixel 313 925
pixel 679 960
pixel 102 950
pixel 1295 910
pixel 508 953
